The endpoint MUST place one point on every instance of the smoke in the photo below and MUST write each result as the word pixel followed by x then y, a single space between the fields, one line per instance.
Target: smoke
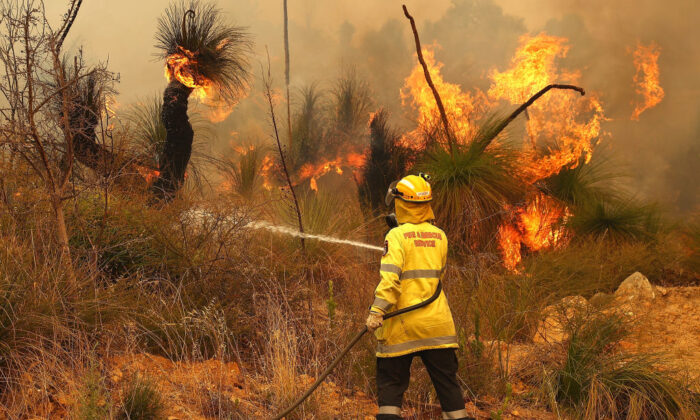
pixel 474 36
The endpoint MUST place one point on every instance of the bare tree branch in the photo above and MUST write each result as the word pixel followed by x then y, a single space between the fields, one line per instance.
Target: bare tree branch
pixel 525 105
pixel 267 80
pixel 426 72
pixel 68 23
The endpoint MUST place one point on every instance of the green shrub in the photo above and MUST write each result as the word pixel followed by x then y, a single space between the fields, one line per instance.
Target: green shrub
pixel 471 185
pixel 616 219
pixel 93 398
pixel 596 380
pixel 141 400
pixel 477 364
pixel 584 183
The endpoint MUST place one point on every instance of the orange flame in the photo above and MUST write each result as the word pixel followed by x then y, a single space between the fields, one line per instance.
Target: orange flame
pixel 184 67
pixel 539 225
pixel 646 80
pixel 561 130
pixel 509 242
pixel 564 123
pixel 461 108
pixel 148 174
pixel 541 222
pixel 532 68
pixel 313 172
pixel 265 169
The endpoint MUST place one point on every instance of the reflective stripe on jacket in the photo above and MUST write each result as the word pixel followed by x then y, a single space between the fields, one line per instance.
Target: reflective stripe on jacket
pixel 414 261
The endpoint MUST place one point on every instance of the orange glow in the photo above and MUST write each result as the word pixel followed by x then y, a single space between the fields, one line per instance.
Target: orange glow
pixel 532 68
pixel 461 108
pixel 561 123
pixel 148 174
pixel 313 172
pixel 646 80
pixel 509 243
pixel 184 67
pixel 541 222
pixel 265 169
pixel 561 130
pixel 538 226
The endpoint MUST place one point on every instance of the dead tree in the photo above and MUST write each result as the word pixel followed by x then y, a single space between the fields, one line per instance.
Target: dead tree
pixel 267 80
pixel 286 74
pixel 523 107
pixel 37 96
pixel 429 80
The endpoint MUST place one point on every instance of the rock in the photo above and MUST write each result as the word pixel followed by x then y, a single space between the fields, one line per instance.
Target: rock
pixel 636 286
pixel 554 318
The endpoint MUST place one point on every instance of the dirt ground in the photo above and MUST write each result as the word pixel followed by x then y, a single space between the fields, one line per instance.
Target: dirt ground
pixel 669 324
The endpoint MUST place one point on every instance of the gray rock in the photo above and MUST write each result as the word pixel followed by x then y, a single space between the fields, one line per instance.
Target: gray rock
pixel 636 286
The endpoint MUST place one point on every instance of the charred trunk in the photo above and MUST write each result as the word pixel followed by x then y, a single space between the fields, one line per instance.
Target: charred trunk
pixel 83 121
pixel 178 140
pixel 83 118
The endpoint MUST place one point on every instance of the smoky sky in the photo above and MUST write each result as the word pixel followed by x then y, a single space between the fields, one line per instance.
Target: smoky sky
pixel 471 37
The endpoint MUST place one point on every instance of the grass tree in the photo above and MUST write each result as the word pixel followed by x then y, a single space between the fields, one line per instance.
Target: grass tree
pixel 351 102
pixel 473 185
pixel 204 53
pixel 308 127
pixel 149 136
pixel 387 162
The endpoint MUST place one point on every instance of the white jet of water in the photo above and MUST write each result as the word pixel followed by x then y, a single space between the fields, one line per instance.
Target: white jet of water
pixel 289 231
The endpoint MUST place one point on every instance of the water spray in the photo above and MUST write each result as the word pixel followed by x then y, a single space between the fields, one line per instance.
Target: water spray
pixel 293 232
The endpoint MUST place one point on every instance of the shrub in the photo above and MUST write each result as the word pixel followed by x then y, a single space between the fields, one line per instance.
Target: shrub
pixel 93 398
pixel 387 162
pixel 471 186
pixel 583 183
pixel 587 266
pixel 596 380
pixel 616 219
pixel 141 400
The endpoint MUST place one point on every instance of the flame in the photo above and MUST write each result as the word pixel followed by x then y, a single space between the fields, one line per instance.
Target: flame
pixel 561 131
pixel 562 123
pixel 509 239
pixel 541 222
pixel 184 67
pixel 265 168
pixel 313 172
pixel 532 68
pixel 538 225
pixel 646 80
pixel 148 174
pixel 461 108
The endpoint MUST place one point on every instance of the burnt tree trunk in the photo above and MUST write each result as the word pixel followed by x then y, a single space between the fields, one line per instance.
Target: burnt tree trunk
pixel 178 140
pixel 83 119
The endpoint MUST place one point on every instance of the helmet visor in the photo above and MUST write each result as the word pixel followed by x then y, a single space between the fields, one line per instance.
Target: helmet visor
pixel 390 194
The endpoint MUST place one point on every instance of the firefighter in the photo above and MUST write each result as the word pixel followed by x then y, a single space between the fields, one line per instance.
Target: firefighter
pixel 415 253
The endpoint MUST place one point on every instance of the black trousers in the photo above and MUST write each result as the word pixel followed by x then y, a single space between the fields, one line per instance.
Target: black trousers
pixel 393 375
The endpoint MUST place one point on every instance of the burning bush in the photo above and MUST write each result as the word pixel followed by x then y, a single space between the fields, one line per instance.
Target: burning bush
pixel 204 55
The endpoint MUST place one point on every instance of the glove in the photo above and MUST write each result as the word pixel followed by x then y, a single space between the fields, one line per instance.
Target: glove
pixel 374 321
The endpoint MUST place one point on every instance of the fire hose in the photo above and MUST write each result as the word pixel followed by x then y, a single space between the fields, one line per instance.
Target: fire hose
pixel 352 343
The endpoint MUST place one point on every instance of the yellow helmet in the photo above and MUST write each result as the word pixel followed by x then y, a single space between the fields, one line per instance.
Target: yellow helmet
pixel 412 188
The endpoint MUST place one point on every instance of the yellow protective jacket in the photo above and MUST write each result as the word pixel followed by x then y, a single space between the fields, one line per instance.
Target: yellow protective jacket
pixel 413 262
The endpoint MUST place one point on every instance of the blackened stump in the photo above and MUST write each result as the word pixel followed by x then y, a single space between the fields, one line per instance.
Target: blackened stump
pixel 178 140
